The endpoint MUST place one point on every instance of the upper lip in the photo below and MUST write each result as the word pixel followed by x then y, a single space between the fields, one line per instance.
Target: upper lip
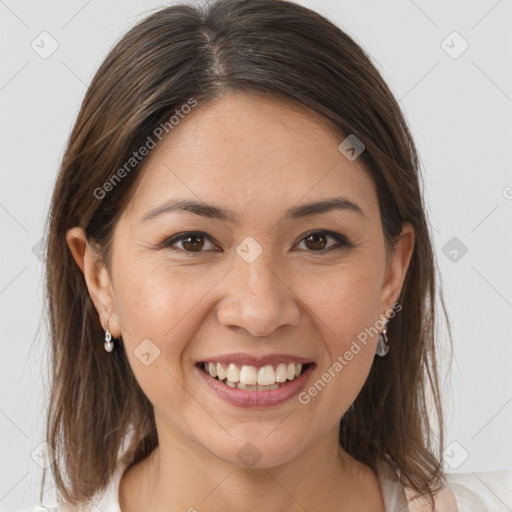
pixel 242 359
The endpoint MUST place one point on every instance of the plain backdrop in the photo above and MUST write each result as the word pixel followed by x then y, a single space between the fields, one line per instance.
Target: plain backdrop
pixel 449 65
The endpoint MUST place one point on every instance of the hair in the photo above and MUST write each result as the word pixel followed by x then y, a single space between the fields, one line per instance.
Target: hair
pixel 277 49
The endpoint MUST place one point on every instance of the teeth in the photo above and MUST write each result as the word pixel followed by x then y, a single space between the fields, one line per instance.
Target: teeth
pixel 253 378
pixel 264 388
pixel 266 375
pixel 221 372
pixel 281 373
pixel 233 373
pixel 254 388
pixel 248 375
pixel 212 369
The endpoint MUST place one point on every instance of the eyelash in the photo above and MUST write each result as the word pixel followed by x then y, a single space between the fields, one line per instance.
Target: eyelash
pixel 344 243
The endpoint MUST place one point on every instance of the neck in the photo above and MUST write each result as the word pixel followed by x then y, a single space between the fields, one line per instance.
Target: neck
pixel 180 475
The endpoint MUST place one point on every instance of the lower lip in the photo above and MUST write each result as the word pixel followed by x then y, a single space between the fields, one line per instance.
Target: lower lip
pixel 245 398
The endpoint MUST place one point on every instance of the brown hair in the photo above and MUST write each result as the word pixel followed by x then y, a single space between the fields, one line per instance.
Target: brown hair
pixel 269 47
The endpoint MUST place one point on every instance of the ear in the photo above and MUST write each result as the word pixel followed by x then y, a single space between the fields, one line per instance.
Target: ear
pixel 397 266
pixel 96 277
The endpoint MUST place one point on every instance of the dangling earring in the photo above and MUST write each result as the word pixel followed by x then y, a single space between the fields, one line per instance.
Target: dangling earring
pixel 382 344
pixel 109 344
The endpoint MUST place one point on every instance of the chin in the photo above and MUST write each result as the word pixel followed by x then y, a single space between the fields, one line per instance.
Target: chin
pixel 254 448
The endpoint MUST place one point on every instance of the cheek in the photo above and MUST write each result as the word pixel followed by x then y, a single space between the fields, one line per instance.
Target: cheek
pixel 156 298
pixel 343 302
pixel 343 307
pixel 156 311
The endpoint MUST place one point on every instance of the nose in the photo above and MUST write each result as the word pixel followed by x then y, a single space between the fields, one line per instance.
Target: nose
pixel 257 299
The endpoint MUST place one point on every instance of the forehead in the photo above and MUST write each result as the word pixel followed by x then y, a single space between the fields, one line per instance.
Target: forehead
pixel 254 154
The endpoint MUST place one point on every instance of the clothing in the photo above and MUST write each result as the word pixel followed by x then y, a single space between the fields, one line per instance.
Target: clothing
pixel 489 491
pixel 486 491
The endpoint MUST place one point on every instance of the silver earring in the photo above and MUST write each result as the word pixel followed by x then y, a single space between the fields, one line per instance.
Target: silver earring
pixel 383 344
pixel 109 344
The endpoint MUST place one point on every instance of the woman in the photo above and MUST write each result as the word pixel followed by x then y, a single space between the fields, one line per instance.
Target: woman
pixel 240 277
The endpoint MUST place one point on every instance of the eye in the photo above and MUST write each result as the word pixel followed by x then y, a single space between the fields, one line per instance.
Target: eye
pixel 316 241
pixel 197 241
pixel 192 241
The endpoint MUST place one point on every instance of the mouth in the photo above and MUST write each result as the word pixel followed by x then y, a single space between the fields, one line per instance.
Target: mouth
pixel 254 378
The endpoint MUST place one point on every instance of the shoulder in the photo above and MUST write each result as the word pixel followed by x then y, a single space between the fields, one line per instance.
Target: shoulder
pixel 40 508
pixel 482 491
pixel 105 500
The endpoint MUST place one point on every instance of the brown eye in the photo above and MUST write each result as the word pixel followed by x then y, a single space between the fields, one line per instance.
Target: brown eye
pixel 317 241
pixel 191 242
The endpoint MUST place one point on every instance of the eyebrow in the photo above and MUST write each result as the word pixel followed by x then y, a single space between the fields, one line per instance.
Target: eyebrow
pixel 217 212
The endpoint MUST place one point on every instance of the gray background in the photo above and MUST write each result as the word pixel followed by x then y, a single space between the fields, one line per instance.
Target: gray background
pixel 458 105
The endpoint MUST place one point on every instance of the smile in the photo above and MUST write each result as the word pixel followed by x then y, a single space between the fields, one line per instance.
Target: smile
pixel 253 386
pixel 253 378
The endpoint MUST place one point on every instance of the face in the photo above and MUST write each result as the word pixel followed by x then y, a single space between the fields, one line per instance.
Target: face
pixel 268 283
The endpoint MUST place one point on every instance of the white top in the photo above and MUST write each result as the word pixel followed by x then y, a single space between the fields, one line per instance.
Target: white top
pixel 488 491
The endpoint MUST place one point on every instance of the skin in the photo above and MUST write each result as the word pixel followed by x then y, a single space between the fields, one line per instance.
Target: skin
pixel 257 157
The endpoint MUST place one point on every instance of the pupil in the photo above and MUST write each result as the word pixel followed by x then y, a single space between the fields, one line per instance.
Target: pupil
pixel 316 236
pixel 194 248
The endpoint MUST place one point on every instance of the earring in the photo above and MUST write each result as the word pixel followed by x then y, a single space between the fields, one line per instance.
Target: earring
pixel 383 344
pixel 109 344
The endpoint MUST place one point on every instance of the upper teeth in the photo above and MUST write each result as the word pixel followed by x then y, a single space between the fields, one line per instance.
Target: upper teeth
pixel 251 375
